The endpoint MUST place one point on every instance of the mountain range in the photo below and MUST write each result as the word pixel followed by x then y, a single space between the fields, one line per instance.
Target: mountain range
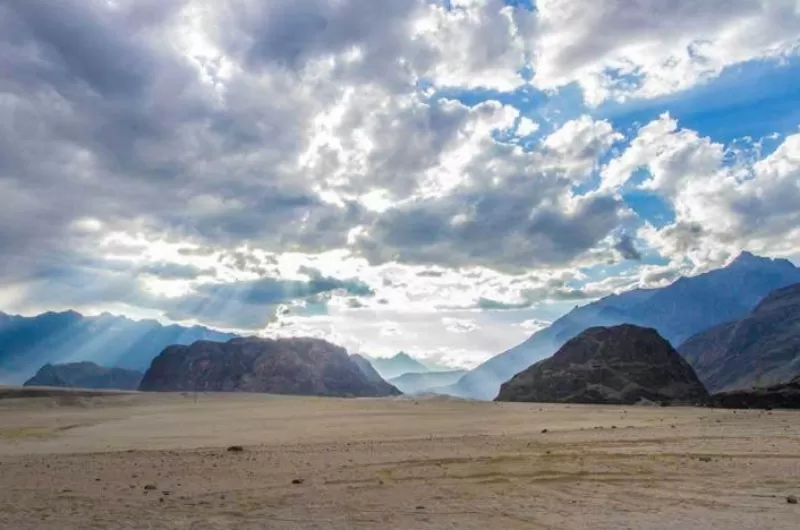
pixel 421 382
pixel 761 349
pixel 28 343
pixel 391 367
pixel 678 311
pixel 738 326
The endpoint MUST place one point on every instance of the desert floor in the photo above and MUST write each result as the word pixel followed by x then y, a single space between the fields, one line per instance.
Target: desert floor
pixel 81 462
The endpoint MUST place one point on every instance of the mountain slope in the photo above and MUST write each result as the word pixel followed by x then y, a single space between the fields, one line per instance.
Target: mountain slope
pixel 27 343
pixel 763 348
pixel 298 366
pixel 677 311
pixel 617 365
pixel 416 383
pixel 85 375
pixel 785 396
pixel 372 375
pixel 391 367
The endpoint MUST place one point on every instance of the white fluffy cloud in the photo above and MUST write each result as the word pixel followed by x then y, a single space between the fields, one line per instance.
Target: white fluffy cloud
pixel 619 49
pixel 724 200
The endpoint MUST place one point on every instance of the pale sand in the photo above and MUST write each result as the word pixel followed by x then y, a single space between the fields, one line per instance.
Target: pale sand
pixel 82 463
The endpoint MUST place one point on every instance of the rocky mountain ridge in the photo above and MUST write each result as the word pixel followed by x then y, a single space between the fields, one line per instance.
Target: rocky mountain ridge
pixel 763 348
pixel 300 366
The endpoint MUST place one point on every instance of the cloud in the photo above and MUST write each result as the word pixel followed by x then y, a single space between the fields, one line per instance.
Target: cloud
pixel 175 271
pixel 620 50
pixel 721 203
pixel 459 325
pixel 627 249
pixel 534 324
pixel 495 305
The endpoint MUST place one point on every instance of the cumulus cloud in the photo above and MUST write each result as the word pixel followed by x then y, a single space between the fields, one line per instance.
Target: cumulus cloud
pixel 620 49
pixel 721 203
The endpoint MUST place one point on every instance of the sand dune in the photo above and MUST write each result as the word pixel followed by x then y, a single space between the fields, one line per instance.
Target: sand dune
pixel 82 461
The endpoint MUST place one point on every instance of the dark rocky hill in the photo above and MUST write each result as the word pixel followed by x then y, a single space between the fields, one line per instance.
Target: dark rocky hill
pixel 85 375
pixel 618 365
pixel 300 366
pixel 761 349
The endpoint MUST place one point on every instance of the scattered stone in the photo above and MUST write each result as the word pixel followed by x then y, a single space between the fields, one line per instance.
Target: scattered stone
pixel 420 507
pixel 161 499
pixel 544 431
pixel 705 459
pixel 791 499
pixel 165 493
pixel 235 449
pixel 297 481
pixel 149 487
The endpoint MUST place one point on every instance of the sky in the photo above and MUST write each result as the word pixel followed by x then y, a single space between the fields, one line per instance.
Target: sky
pixel 438 177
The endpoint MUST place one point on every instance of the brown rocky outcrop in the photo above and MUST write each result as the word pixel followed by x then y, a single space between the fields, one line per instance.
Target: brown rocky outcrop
pixel 617 365
pixel 301 366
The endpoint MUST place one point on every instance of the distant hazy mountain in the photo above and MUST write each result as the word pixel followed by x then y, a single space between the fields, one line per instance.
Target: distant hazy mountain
pixel 85 375
pixel 417 383
pixel 677 311
pixel 368 370
pixel 617 365
pixel 761 349
pixel 27 343
pixel 299 366
pixel 402 363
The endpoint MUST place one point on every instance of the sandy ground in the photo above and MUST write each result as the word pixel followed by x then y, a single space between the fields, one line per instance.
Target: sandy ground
pixel 79 462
